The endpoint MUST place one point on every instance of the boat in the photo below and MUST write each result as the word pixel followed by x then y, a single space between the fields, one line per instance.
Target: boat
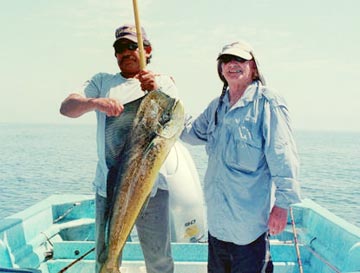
pixel 57 235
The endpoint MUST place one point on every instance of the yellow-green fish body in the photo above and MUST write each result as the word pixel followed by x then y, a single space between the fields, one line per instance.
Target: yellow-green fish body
pixel 157 125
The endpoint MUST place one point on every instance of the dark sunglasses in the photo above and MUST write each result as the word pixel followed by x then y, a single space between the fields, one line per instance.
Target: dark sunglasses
pixel 121 47
pixel 228 58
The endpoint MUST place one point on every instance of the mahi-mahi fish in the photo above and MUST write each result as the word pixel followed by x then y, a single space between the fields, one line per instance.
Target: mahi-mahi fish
pixel 157 125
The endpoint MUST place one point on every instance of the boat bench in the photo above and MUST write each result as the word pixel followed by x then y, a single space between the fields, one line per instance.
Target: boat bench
pixel 280 252
pixel 188 258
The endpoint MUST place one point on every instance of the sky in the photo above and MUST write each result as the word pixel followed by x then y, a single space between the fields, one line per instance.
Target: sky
pixel 308 51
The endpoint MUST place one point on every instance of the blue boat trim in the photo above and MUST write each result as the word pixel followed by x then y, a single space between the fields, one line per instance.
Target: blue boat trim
pixel 12 270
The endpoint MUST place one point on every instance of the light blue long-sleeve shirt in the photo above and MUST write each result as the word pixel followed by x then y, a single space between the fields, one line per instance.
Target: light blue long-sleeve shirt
pixel 249 150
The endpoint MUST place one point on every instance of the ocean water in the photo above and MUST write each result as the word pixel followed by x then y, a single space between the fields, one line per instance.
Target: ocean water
pixel 38 160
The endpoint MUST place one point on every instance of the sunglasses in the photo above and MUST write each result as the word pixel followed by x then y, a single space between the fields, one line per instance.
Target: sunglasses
pixel 228 58
pixel 121 47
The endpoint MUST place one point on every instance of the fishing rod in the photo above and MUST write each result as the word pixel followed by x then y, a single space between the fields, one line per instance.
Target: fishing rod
pixel 139 35
pixel 322 259
pixel 77 260
pixel 296 241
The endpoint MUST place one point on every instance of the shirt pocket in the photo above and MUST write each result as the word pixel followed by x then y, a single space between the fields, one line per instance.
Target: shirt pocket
pixel 243 151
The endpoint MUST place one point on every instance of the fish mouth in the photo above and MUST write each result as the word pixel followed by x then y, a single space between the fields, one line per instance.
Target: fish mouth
pixel 167 114
pixel 169 124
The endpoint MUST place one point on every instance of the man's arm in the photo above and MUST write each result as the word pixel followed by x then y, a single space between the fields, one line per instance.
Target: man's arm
pixel 75 105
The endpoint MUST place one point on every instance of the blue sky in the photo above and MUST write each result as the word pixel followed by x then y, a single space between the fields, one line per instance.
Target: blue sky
pixel 309 52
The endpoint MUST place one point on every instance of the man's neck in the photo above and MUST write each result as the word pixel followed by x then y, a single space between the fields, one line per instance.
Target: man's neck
pixel 129 75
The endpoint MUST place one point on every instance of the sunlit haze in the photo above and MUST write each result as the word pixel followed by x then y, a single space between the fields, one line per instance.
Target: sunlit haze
pixel 309 52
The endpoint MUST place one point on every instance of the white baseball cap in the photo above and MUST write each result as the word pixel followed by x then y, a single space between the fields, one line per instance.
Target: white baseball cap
pixel 243 50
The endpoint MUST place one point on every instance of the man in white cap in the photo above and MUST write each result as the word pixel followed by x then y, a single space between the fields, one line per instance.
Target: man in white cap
pixel 251 151
pixel 106 94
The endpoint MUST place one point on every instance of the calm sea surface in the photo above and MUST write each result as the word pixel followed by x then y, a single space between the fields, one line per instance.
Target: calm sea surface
pixel 39 160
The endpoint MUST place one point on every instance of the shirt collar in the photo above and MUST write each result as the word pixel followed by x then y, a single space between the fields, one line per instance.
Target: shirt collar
pixel 250 94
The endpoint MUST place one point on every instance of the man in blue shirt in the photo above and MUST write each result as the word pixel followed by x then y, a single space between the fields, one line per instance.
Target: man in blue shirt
pixel 106 94
pixel 251 154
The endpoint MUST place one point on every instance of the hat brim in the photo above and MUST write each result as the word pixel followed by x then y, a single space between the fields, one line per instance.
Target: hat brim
pixel 236 52
pixel 128 37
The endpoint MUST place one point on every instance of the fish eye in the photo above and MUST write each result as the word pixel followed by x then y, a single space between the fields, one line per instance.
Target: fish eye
pixel 165 118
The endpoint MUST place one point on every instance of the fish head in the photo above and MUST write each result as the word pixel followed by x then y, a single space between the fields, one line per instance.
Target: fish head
pixel 164 115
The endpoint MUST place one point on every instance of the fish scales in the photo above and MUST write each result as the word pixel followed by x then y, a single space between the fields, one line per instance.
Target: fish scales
pixel 157 125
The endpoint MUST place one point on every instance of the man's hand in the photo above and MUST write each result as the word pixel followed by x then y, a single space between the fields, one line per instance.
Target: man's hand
pixel 111 107
pixel 277 220
pixel 147 80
